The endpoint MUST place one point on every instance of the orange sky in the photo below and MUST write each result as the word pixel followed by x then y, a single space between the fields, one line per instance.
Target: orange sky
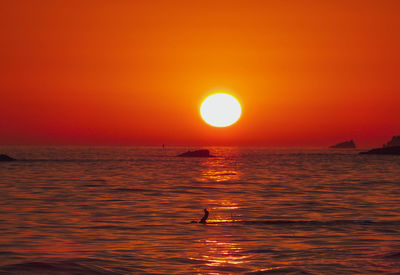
pixel 307 73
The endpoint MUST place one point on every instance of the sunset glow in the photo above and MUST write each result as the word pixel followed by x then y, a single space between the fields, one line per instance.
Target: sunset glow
pixel 134 73
pixel 200 137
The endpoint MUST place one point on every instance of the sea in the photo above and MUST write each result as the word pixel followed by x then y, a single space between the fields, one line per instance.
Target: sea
pixel 134 210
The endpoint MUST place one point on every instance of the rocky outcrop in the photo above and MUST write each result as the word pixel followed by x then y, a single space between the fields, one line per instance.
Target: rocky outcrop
pixel 390 148
pixel 5 158
pixel 346 144
pixel 394 150
pixel 198 153
pixel 394 142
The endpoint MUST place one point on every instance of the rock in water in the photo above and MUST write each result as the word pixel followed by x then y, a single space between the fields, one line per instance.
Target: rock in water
pixel 346 144
pixel 5 158
pixel 198 153
pixel 394 142
pixel 390 148
pixel 394 150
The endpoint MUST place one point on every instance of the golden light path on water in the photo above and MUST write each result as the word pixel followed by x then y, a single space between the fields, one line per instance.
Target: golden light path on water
pixel 220 252
pixel 221 247
pixel 220 171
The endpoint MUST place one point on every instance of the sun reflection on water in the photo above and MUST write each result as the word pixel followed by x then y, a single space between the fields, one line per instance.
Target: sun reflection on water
pixel 219 170
pixel 223 211
pixel 219 175
pixel 218 252
pixel 215 253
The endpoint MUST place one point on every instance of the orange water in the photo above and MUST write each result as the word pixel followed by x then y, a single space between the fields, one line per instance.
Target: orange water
pixel 121 210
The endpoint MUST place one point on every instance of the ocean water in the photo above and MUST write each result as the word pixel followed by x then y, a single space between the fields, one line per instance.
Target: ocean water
pixel 127 210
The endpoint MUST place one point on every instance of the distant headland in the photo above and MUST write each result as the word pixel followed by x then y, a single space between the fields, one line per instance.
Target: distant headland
pixel 394 142
pixel 344 145
pixel 390 148
pixel 6 158
pixel 395 150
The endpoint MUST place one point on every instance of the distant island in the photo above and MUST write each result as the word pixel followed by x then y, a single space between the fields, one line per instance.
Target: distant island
pixel 5 158
pixel 394 142
pixel 198 153
pixel 390 148
pixel 395 150
pixel 344 145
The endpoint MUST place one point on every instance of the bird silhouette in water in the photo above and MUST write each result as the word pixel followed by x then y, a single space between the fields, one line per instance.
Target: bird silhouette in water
pixel 205 217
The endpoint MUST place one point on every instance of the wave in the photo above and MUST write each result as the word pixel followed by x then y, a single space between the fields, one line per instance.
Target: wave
pixel 307 222
pixel 83 160
pixel 79 266
pixel 280 270
pixel 392 255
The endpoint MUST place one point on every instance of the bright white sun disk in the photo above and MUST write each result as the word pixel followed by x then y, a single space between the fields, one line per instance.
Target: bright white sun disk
pixel 220 110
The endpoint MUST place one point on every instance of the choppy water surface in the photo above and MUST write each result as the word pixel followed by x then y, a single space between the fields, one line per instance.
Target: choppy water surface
pixel 127 210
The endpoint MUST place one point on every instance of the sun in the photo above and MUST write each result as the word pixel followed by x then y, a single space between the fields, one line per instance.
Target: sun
pixel 220 110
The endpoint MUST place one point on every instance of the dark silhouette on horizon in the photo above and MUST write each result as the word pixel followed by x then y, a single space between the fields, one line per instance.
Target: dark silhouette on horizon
pixel 204 153
pixel 344 145
pixel 394 142
pixel 395 150
pixel 6 158
pixel 390 148
pixel 205 217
